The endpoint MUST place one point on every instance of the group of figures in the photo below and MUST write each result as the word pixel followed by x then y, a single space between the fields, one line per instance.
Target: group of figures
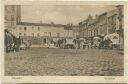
pixel 13 43
pixel 81 43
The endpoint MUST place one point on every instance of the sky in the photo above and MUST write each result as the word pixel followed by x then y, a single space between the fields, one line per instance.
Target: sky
pixel 61 14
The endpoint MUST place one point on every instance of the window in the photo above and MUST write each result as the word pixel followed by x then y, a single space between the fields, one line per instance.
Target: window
pixel 20 28
pixel 38 28
pixel 32 28
pixel 83 33
pixel 50 34
pixel 38 34
pixel 24 34
pixel 6 17
pixel 45 33
pixel 97 32
pixel 6 8
pixel 32 34
pixel 12 23
pixel 20 34
pixel 58 34
pixel 25 28
pixel 13 8
pixel 94 32
pixel 12 17
pixel 90 33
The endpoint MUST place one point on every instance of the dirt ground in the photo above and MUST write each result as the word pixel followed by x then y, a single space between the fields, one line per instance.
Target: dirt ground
pixel 64 62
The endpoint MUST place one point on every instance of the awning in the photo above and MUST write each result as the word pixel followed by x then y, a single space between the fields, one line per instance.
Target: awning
pixel 96 38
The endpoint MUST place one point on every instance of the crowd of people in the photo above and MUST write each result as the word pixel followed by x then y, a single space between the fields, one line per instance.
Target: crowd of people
pixel 13 43
pixel 96 42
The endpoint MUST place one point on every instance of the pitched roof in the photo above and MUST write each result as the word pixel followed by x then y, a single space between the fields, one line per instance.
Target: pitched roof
pixel 112 12
pixel 40 24
pixel 105 13
pixel 92 21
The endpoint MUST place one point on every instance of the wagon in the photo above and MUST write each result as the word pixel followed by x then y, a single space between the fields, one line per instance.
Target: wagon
pixel 69 43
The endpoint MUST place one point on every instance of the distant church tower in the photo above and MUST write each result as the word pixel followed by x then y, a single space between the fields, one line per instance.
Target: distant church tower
pixel 18 16
pixel 12 17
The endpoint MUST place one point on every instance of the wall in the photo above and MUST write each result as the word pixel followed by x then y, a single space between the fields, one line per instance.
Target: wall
pixel 112 18
pixel 102 23
pixel 39 39
pixel 43 30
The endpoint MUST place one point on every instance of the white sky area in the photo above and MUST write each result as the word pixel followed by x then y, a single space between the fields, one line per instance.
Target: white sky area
pixel 61 14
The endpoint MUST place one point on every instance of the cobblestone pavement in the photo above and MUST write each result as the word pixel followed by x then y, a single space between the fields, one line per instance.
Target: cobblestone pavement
pixel 64 62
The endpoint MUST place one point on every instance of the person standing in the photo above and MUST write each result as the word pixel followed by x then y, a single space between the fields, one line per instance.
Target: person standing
pixel 17 43
pixel 8 41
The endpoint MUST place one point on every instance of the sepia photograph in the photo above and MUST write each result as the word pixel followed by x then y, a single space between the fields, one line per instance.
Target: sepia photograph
pixel 64 40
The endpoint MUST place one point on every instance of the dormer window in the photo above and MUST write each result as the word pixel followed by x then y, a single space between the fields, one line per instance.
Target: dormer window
pixel 25 28
pixel 32 28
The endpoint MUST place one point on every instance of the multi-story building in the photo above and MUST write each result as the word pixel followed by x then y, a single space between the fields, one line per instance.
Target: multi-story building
pixel 120 29
pixel 37 33
pixel 92 30
pixel 75 31
pixel 102 24
pixel 40 33
pixel 116 23
pixel 84 28
pixel 112 21
pixel 89 27
pixel 12 17
pixel 107 23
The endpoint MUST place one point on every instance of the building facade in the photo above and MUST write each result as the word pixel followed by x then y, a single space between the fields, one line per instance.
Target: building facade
pixel 75 32
pixel 37 33
pixel 112 21
pixel 41 33
pixel 104 24
pixel 120 30
pixel 90 27
pixel 84 28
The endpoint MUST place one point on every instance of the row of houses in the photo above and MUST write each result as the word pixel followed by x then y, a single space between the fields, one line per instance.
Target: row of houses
pixel 104 24
pixel 37 33
pixel 41 33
